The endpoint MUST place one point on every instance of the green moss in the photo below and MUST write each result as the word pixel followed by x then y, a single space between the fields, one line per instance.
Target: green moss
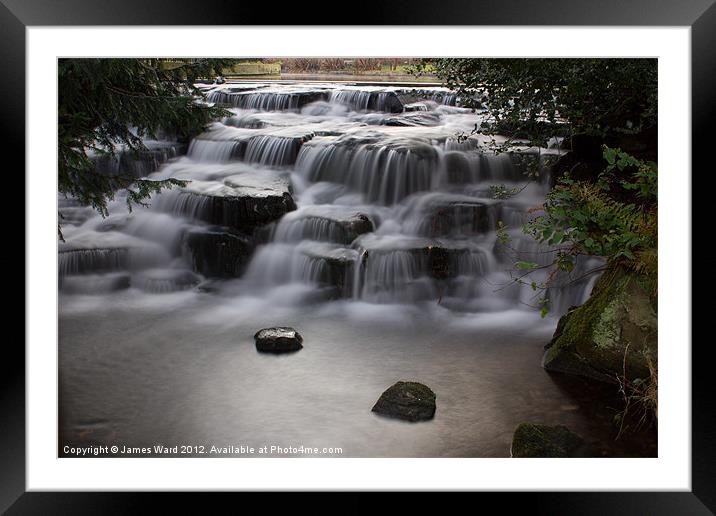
pixel 614 330
pixel 606 330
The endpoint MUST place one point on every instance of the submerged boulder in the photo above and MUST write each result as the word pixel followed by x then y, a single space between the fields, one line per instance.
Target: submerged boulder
pixel 613 334
pixel 278 340
pixel 411 401
pixel 533 440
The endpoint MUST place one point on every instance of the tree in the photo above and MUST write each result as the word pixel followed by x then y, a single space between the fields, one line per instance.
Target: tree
pixel 540 98
pixel 104 104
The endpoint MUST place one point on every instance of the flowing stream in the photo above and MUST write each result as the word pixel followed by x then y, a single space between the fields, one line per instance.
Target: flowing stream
pixel 355 214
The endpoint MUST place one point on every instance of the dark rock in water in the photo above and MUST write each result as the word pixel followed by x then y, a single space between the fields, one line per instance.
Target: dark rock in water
pixel 410 401
pixel 532 440
pixel 278 340
pixel 613 334
pixel 218 252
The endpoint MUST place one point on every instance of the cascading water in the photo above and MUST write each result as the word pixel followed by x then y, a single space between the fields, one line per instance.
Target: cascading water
pixel 356 215
pixel 380 202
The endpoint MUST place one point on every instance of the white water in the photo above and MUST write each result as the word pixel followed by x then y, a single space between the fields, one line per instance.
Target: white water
pixel 394 219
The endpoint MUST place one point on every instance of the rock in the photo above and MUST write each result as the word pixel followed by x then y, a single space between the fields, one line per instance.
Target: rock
pixel 410 401
pixel 560 327
pixel 337 265
pixel 532 440
pixel 613 334
pixel 241 202
pixel 278 340
pixel 326 223
pixel 218 252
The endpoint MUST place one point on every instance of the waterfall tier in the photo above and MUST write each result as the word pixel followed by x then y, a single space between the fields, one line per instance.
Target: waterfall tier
pixel 364 193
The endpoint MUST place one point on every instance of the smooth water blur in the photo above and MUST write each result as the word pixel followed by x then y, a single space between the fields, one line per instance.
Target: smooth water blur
pixel 390 267
pixel 182 368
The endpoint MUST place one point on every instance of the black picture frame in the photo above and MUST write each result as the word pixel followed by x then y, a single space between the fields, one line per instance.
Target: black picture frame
pixel 700 15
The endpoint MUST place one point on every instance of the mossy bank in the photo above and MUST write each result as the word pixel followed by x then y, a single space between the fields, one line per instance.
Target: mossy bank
pixel 613 335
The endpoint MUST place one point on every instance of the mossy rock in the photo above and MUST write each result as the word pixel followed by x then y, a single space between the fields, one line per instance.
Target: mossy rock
pixel 533 440
pixel 613 334
pixel 278 340
pixel 410 401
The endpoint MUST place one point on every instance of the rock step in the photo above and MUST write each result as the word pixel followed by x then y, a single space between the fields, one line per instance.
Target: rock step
pixel 218 252
pixel 267 100
pixel 450 215
pixel 411 258
pixel 323 223
pixel 337 266
pixel 230 144
pixel 242 202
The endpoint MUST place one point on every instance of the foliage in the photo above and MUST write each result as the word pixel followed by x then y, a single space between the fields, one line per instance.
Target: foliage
pixel 598 219
pixel 106 104
pixel 536 99
pixel 345 65
pixel 641 400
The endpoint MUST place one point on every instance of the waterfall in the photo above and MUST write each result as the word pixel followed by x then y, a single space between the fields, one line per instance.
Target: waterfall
pixel 367 99
pixel 385 174
pixel 354 192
